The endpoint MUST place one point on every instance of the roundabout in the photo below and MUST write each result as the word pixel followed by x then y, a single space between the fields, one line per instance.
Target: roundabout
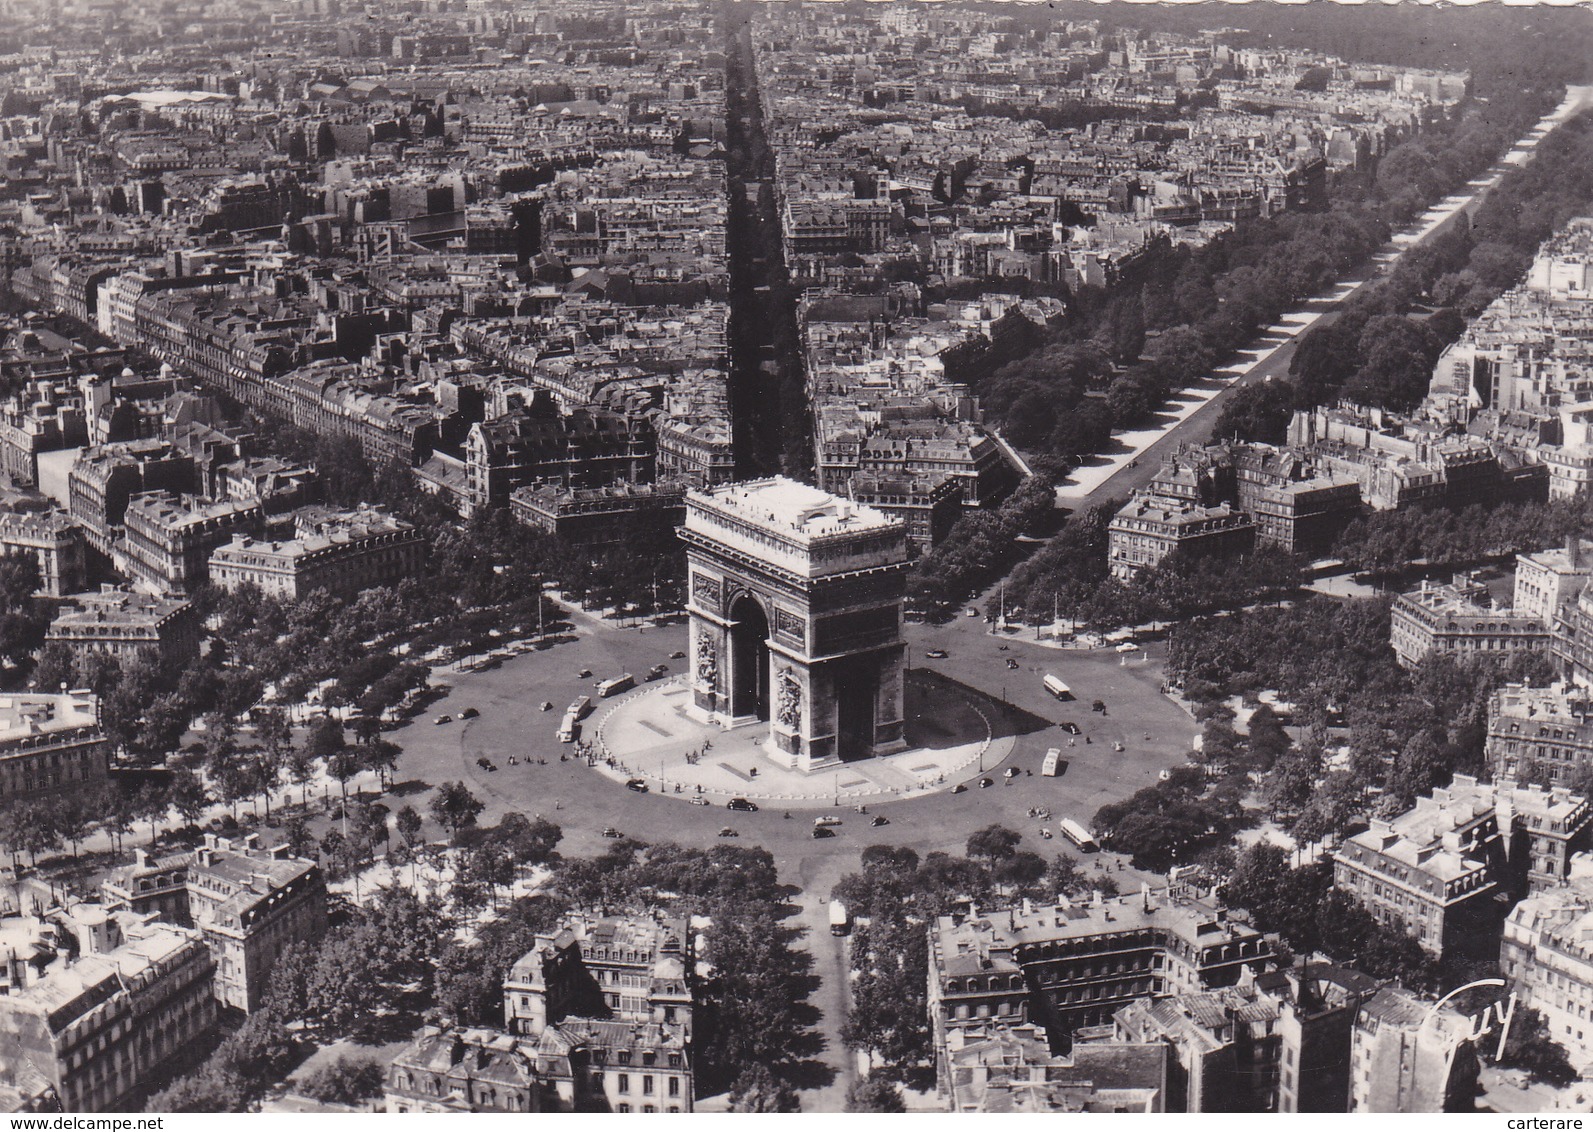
pixel 952 732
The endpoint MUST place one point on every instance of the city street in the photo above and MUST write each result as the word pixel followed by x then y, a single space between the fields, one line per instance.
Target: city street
pixel 584 801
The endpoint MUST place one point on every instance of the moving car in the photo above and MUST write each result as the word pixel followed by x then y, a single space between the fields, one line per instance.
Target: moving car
pixel 959 788
pixel 1099 705
pixel 1011 663
pixel 936 654
pixel 728 832
pixel 677 655
pixel 547 705
pixel 469 713
pixel 485 763
pixel 443 719
pixel 826 820
pixel 637 785
pixel 656 671
pixel 698 801
pixel 983 782
pixel 879 821
pixel 584 674
pixel 822 831
pixel 1070 727
pixel 741 804
pixel 610 831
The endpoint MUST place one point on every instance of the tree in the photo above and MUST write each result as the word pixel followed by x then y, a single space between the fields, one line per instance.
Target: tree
pixel 53 667
pixel 757 1089
pixel 381 756
pixel 265 767
pixel 994 843
pixel 409 824
pixel 301 769
pixel 454 807
pixel 347 1080
pixel 874 1094
pixel 1532 1047
pixel 188 795
pixel 343 764
pixel 491 865
pixel 74 814
pixel 531 841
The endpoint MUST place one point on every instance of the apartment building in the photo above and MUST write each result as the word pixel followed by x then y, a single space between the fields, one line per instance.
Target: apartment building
pixel 1459 618
pixel 342 552
pixel 994 1067
pixel 1409 1055
pixel 250 904
pixel 139 995
pixel 1149 528
pixel 50 744
pixel 599 518
pixel 1434 871
pixel 104 480
pixel 1540 734
pixel 1075 965
pixel 1547 954
pixel 126 624
pixel 54 541
pixel 168 539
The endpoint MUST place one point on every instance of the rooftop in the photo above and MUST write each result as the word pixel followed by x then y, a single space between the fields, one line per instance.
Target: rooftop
pixel 793 508
pixel 35 714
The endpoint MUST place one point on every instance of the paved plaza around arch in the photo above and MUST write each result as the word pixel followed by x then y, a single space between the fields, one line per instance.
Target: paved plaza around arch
pixel 953 732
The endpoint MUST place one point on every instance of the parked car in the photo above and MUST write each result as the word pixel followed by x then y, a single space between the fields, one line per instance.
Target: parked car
pixel 637 785
pixel 741 804
pixel 610 831
pixel 443 719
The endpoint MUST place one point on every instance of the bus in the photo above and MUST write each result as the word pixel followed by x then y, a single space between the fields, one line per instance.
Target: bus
pixel 569 727
pixel 1077 834
pixel 579 707
pixel 840 922
pixel 1058 689
pixel 621 683
pixel 1052 765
